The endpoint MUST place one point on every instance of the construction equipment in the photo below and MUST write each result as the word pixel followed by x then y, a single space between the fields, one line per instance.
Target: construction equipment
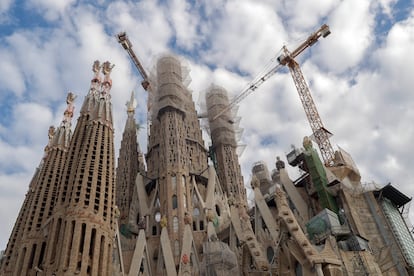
pixel 320 134
pixel 124 41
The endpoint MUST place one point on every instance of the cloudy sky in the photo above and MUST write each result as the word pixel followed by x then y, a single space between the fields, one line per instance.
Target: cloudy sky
pixel 361 76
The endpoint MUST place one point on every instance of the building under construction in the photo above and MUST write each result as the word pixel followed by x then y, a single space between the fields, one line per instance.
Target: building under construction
pixel 181 208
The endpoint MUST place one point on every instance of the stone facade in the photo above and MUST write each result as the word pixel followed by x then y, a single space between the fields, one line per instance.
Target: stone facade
pixel 183 210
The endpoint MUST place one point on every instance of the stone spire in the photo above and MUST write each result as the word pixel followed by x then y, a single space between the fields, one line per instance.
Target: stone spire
pixel 175 155
pixel 130 162
pixel 224 145
pixel 131 104
pixel 61 137
pixel 83 225
pixel 28 243
pixel 11 255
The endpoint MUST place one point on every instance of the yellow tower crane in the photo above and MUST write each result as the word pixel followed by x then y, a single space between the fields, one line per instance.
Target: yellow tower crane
pixel 320 134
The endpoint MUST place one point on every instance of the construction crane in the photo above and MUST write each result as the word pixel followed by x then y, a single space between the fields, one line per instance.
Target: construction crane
pixel 124 41
pixel 321 135
pixel 127 45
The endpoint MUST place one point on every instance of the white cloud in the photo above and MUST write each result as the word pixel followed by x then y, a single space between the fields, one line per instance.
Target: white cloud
pixel 303 14
pixel 396 60
pixel 146 25
pixel 236 41
pixel 19 158
pixel 36 61
pixel 13 80
pixel 352 26
pixel 185 21
pixel 387 6
pixel 31 114
pixel 50 9
pixel 5 5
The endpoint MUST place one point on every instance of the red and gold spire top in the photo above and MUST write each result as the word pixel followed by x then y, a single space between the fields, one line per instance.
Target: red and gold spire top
pixel 60 137
pixel 96 68
pixel 107 83
pixel 99 90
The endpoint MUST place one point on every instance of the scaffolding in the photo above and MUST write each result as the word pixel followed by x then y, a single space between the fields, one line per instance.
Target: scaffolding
pixel 169 80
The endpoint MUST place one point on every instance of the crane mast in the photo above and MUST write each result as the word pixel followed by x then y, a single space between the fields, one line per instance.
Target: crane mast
pixel 287 59
pixel 320 133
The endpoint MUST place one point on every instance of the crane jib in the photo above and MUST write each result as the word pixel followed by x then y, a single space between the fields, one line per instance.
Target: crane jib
pixel 287 58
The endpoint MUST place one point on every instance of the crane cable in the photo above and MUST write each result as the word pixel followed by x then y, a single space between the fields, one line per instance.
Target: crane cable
pixel 253 85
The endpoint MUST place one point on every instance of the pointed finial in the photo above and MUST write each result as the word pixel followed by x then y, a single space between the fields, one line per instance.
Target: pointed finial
pixel 96 68
pixel 51 132
pixel 107 84
pixel 107 68
pixel 68 114
pixel 132 103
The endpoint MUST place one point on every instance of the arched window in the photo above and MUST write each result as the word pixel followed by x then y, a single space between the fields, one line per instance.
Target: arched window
pixel 174 183
pixel 270 253
pixel 175 224
pixel 195 199
pixel 138 218
pixel 176 248
pixel 298 269
pixel 217 210
pixel 174 202
pixel 196 212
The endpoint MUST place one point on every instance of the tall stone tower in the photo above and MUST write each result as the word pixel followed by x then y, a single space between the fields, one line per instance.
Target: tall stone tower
pixel 224 144
pixel 176 152
pixel 223 150
pixel 82 229
pixel 130 163
pixel 178 201
pixel 26 249
pixel 7 265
